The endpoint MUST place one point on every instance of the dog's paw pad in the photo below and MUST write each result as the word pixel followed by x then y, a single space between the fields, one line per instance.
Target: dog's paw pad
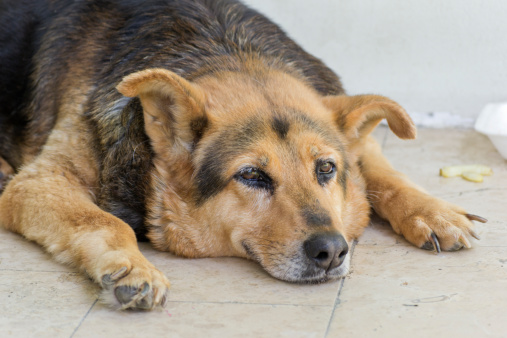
pixel 142 287
pixel 428 246
pixel 132 297
pixel 432 244
pixel 457 246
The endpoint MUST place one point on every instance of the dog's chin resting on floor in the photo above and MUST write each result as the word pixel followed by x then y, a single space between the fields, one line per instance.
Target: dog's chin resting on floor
pixel 197 125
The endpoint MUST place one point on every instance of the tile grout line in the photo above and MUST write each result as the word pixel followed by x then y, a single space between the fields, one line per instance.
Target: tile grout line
pixel 337 299
pixel 243 303
pixel 461 193
pixel 84 317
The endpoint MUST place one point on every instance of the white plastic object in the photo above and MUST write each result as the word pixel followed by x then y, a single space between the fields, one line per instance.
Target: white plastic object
pixel 492 121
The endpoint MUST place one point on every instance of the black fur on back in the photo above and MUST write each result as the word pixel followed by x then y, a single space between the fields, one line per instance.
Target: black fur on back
pixel 43 41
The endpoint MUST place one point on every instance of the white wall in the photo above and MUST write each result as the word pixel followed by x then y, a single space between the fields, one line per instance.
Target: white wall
pixel 429 55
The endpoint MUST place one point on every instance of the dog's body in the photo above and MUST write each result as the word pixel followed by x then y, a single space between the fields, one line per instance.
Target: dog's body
pixel 228 140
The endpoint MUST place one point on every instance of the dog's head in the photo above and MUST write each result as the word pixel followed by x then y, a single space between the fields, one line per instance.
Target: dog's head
pixel 258 165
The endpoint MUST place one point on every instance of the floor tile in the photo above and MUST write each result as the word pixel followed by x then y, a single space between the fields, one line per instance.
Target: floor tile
pixel 421 159
pixel 394 290
pixel 209 320
pixel 379 232
pixel 443 318
pixel 398 290
pixel 43 304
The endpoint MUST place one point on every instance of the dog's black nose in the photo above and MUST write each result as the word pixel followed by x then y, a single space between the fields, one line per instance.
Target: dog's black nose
pixel 326 250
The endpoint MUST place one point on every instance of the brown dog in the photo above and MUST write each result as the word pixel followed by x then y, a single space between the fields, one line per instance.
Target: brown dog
pixel 197 124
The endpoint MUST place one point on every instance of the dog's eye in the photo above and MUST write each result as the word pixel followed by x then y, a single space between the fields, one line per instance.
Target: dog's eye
pixel 326 168
pixel 251 174
pixel 325 171
pixel 255 178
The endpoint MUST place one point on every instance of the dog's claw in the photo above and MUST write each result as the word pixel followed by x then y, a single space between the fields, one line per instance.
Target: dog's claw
pixel 476 218
pixel 436 244
pixel 474 235
pixel 108 280
pixel 465 242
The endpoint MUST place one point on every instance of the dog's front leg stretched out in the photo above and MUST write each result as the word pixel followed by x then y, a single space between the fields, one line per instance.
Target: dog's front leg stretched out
pixel 425 221
pixel 48 203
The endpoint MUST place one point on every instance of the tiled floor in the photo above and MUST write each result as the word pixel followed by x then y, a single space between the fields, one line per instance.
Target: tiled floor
pixel 394 290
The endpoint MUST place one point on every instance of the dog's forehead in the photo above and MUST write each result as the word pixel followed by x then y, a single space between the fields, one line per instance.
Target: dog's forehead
pixel 288 130
pixel 285 129
pixel 279 125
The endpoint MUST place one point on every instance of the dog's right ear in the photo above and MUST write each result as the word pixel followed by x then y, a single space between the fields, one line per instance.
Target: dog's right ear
pixel 173 108
pixel 358 115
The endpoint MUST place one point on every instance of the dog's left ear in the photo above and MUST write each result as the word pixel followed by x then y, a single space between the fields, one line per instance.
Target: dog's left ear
pixel 357 116
pixel 173 108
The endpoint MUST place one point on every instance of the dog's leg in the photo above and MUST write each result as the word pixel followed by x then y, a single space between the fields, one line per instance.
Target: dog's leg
pixel 425 221
pixel 48 203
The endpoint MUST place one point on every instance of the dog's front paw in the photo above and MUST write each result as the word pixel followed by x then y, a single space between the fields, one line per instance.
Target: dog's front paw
pixel 136 285
pixel 433 224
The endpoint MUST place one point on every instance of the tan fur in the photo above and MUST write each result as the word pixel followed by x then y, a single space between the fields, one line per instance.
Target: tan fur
pixel 69 225
pixel 360 114
pixel 52 199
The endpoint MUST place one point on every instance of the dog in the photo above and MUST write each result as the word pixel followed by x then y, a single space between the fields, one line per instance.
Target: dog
pixel 197 125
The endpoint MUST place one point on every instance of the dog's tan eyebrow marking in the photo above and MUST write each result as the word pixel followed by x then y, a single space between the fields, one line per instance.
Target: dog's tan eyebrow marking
pixel 314 151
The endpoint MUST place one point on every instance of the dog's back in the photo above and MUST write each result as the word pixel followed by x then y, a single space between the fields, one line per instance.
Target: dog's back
pixel 48 46
pixel 78 51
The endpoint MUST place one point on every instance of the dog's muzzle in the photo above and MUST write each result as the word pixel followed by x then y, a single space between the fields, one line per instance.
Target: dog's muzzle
pixel 321 257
